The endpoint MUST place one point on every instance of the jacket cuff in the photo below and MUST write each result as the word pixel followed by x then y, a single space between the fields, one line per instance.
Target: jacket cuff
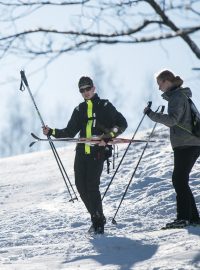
pixel 51 132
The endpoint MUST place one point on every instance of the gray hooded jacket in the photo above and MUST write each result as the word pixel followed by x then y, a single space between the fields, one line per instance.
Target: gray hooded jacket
pixel 178 118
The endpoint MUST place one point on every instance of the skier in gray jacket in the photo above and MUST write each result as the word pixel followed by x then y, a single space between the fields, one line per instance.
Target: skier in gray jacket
pixel 185 145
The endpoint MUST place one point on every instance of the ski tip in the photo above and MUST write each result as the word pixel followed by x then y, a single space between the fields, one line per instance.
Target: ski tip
pixel 33 135
pixel 31 144
pixel 164 228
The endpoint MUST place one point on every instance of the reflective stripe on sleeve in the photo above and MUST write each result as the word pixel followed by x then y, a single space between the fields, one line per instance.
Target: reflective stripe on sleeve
pixel 112 134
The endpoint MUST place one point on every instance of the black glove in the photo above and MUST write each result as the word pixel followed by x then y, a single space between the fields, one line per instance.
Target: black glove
pixel 47 130
pixel 148 111
pixel 112 133
pixel 107 136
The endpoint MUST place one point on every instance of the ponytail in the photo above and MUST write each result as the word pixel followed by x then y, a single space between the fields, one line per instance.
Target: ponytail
pixel 168 75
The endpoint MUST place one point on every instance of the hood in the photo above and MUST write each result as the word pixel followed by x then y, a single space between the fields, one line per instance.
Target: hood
pixel 185 90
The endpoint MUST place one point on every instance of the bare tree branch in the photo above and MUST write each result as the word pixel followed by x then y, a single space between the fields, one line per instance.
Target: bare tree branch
pixel 43 3
pixel 101 22
pixel 172 25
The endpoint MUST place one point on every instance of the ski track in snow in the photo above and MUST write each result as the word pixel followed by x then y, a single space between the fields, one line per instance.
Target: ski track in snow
pixel 41 229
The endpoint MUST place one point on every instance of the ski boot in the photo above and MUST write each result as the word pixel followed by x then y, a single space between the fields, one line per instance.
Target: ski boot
pixel 177 224
pixel 98 222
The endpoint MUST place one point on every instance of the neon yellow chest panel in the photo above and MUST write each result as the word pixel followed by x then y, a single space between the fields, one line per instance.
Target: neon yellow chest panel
pixel 89 125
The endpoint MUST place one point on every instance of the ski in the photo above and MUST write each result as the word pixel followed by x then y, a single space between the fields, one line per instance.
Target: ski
pixel 91 141
pixel 173 228
pixel 180 227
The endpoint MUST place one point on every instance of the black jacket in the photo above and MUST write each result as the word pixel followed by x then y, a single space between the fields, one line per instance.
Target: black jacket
pixel 105 116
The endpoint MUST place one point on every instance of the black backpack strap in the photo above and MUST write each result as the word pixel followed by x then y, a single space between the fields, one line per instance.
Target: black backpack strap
pixel 115 154
pixel 108 165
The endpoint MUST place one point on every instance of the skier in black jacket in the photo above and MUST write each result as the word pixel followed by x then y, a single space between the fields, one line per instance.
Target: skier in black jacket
pixel 93 117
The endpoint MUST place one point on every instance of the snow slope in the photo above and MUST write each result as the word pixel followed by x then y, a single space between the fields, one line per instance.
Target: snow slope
pixel 41 229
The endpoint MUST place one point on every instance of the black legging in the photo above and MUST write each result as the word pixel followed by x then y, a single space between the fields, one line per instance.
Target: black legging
pixel 88 170
pixel 184 160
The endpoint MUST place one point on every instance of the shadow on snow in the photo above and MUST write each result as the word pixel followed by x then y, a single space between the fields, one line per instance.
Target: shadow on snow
pixel 117 250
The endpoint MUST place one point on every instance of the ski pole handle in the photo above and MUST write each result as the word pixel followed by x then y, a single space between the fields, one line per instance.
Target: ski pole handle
pixel 149 104
pixel 23 77
pixel 162 109
pixel 147 109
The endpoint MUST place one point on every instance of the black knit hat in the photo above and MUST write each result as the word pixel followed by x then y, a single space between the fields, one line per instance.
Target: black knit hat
pixel 85 82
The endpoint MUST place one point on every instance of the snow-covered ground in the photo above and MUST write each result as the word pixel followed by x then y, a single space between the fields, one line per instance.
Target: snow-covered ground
pixel 40 228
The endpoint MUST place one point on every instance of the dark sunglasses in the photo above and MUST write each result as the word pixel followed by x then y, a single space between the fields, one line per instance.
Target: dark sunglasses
pixel 85 89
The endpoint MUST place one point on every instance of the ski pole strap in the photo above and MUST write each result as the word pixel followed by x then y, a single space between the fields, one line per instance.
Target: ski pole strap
pixel 108 165
pixel 22 87
pixel 23 77
pixel 161 110
pixel 113 157
pixel 23 81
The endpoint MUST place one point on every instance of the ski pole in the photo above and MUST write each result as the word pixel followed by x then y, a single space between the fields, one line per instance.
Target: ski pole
pixel 150 136
pixel 55 153
pixel 149 105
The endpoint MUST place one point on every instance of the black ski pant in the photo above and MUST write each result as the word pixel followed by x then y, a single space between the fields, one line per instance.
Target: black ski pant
pixel 88 169
pixel 184 160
